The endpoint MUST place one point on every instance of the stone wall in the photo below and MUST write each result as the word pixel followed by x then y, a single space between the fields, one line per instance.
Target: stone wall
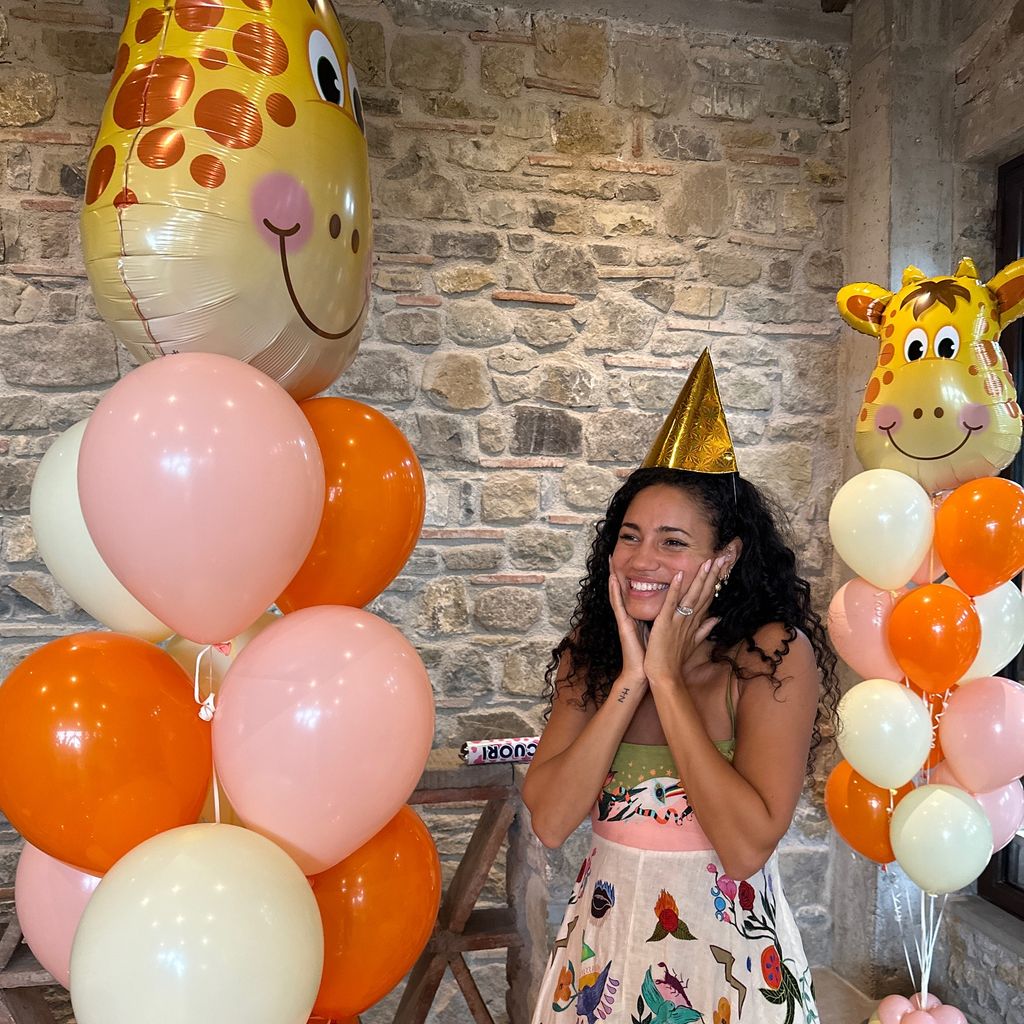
pixel 568 210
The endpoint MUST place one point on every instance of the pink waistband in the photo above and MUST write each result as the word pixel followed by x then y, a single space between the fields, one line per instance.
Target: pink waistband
pixel 650 833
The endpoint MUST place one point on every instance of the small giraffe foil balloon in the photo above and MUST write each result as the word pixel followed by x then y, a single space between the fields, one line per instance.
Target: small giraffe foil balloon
pixel 940 404
pixel 227 204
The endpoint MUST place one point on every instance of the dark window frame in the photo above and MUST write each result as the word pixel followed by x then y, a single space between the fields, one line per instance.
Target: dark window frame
pixel 994 884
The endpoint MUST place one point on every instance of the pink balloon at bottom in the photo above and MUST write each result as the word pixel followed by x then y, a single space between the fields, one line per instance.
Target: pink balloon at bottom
pixel 900 1010
pixel 322 729
pixel 50 897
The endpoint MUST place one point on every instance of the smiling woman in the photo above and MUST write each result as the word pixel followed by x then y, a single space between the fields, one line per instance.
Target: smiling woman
pixel 686 701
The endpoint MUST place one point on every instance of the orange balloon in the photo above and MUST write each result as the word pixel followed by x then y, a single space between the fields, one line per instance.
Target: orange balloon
pixel 373 509
pixel 934 635
pixel 378 906
pixel 979 534
pixel 101 747
pixel 859 811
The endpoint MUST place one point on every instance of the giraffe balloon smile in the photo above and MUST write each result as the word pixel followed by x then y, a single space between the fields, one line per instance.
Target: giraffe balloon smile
pixel 227 203
pixel 940 404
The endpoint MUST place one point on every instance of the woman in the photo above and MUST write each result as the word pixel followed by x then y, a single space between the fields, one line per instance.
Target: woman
pixel 685 708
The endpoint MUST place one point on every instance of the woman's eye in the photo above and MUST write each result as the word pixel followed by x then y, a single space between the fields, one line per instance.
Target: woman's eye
pixel 326 69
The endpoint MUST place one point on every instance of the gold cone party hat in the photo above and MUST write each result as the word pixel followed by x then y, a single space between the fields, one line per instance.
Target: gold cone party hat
pixel 695 435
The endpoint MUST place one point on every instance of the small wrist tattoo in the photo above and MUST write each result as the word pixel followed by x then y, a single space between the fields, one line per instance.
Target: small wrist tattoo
pixel 622 696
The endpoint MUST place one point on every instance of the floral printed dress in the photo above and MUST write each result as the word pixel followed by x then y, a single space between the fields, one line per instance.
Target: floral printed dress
pixel 656 933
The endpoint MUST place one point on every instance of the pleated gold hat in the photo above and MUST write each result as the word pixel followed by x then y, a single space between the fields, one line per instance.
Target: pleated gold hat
pixel 695 436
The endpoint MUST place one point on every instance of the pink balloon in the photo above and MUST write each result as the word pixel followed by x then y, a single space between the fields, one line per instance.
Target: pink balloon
pixel 50 897
pixel 202 486
pixel 858 624
pixel 322 729
pixel 1004 807
pixel 925 1004
pixel 982 733
pixel 946 1014
pixel 892 1009
pixel 919 1017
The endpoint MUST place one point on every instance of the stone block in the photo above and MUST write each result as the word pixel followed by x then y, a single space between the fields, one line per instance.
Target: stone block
pixel 412 327
pixel 565 268
pixel 582 130
pixel 366 48
pixel 543 329
pixel 71 355
pixel 492 432
pixel 398 278
pixel 783 469
pixel 780 273
pixel 510 497
pixel 472 558
pixel 755 209
pixel 620 436
pixel 726 101
pixel 526 121
pixel 513 359
pixel 502 69
pixel 495 722
pixel 539 548
pixel 484 154
pixel 414 188
pixel 616 221
pixel 465 674
pixel 15 484
pixel 570 50
pixel 611 255
pixel 558 217
pixel 538 431
pixel 428 62
pixel 798 212
pixel 619 323
pixel 752 390
pixel 650 73
pixel 588 488
pixel 459 280
pixel 700 204
pixel 660 294
pixel 677 142
pixel 401 238
pixel 26 98
pixel 524 667
pixel 824 270
pixel 477 323
pixel 457 380
pixel 81 50
pixel 560 595
pixel 728 268
pixel 483 245
pixel 442 436
pixel 443 607
pixel 698 300
pixel 654 391
pixel 501 212
pixel 809 378
pixel 506 610
pixel 568 381
pixel 383 375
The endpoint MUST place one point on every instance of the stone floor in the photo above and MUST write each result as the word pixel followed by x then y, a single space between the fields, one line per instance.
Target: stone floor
pixel 838 1001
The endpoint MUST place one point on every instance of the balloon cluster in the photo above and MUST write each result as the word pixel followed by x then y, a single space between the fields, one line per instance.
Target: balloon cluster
pixel 198 496
pixel 932 739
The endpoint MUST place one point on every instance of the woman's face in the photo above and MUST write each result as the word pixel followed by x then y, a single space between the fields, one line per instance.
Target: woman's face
pixel 663 532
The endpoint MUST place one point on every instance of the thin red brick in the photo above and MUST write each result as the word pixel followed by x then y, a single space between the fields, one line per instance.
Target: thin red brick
pixel 460 127
pixel 641 274
pixel 62 16
pixel 546 160
pixel 641 363
pixel 400 257
pixel 455 533
pixel 631 166
pixel 50 205
pixel 44 137
pixel 550 85
pixel 507 579
pixel 539 298
pixel 637 148
pixel 418 300
pixel 524 462
pixel 766 241
pixel 565 519
pixel 500 37
pixel 744 156
pixel 43 270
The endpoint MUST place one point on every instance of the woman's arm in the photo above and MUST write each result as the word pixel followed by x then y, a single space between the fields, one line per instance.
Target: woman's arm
pixel 574 755
pixel 746 807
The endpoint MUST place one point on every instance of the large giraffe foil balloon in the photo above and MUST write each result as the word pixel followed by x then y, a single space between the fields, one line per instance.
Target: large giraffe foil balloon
pixel 227 204
pixel 940 405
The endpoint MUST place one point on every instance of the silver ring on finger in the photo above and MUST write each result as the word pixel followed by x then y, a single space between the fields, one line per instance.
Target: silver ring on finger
pixel 684 609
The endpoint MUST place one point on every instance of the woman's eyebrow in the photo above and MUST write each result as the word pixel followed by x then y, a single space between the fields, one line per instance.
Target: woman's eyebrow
pixel 661 529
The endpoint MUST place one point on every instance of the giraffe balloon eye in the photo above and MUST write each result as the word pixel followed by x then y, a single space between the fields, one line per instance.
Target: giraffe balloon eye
pixel 916 345
pixel 326 68
pixel 357 100
pixel 947 342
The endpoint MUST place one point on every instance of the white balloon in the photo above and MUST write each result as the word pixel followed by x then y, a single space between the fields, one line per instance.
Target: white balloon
pixel 941 837
pixel 881 523
pixel 1001 612
pixel 68 550
pixel 202 924
pixel 885 732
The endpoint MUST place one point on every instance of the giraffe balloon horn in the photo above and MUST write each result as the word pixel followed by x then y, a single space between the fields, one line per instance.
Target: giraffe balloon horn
pixel 940 404
pixel 227 204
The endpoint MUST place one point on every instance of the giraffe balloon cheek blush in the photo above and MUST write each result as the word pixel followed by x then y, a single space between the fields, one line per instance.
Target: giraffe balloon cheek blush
pixel 227 203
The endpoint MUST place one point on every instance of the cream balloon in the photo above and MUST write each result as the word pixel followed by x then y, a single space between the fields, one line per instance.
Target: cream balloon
pixel 218 658
pixel 885 732
pixel 881 523
pixel 204 924
pixel 941 837
pixel 68 550
pixel 1001 612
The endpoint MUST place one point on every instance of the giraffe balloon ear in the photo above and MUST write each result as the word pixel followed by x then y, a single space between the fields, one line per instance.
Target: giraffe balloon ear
pixel 862 305
pixel 966 268
pixel 1008 288
pixel 913 275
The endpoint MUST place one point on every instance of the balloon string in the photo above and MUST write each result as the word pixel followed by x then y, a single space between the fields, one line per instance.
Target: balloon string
pixel 929 935
pixel 897 907
pixel 216 795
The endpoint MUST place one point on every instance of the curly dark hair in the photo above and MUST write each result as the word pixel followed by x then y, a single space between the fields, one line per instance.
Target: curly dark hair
pixel 764 588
